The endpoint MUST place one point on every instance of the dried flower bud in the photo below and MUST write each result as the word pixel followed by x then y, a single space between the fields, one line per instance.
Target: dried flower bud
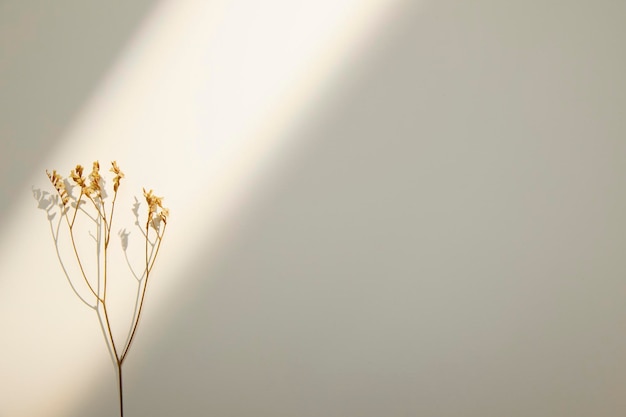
pixel 59 185
pixel 154 204
pixel 115 169
pixel 77 176
pixel 118 175
pixel 94 180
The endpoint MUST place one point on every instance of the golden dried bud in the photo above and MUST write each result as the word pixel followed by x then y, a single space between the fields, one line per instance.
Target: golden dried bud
pixel 94 180
pixel 118 175
pixel 59 185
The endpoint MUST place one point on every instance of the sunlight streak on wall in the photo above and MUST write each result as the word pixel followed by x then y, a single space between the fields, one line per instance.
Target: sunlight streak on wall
pixel 196 107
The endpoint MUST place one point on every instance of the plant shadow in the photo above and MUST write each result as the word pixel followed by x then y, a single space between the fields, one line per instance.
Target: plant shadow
pixel 55 212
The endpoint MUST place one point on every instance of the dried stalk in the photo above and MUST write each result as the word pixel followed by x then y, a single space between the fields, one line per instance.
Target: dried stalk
pixel 92 191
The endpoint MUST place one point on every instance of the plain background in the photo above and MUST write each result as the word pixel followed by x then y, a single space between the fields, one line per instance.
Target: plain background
pixel 449 242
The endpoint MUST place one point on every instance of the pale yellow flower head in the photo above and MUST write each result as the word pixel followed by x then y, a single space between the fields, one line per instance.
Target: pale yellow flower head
pixel 94 180
pixel 77 177
pixel 155 206
pixel 118 175
pixel 59 185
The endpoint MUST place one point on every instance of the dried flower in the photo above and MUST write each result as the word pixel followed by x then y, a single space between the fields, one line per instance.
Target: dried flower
pixel 153 202
pixel 94 188
pixel 77 176
pixel 94 180
pixel 118 175
pixel 156 211
pixel 59 185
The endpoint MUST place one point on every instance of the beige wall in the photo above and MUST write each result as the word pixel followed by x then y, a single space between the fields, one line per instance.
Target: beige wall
pixel 52 55
pixel 448 241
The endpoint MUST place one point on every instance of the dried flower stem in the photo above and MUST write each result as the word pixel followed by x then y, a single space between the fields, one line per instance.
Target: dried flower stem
pixel 93 192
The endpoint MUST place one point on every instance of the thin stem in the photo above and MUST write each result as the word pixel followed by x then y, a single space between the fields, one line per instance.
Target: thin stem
pixel 88 215
pixel 130 266
pixel 80 264
pixel 119 379
pixel 103 299
pixel 108 235
pixel 136 323
pixel 104 290
pixel 98 209
pixel 107 238
pixel 139 292
pixel 98 239
pixel 134 313
pixel 143 293
pixel 64 210
pixel 108 325
pixel 104 217
pixel 77 207
pixel 105 335
pixel 159 239
pixel 55 237
pixel 149 264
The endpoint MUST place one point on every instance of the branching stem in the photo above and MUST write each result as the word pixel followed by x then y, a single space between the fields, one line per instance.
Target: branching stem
pixel 94 193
